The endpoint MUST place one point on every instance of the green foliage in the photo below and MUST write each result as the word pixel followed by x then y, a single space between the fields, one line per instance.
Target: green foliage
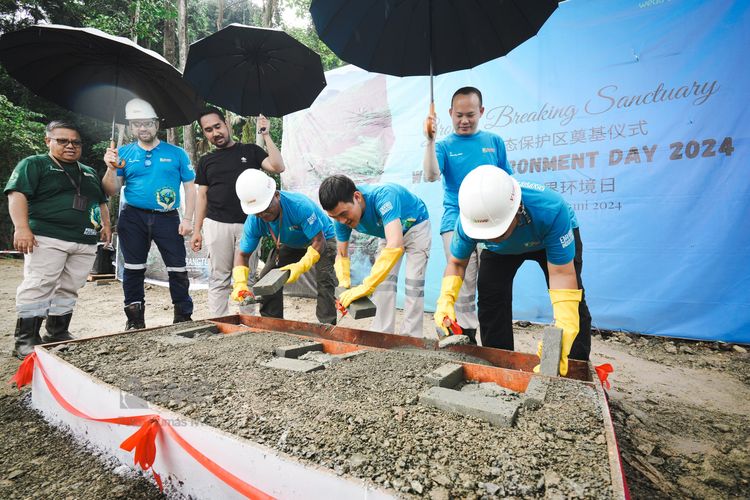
pixel 24 136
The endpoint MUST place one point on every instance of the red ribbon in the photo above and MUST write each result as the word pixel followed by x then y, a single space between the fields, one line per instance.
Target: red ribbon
pixel 143 441
pixel 603 371
pixel 25 372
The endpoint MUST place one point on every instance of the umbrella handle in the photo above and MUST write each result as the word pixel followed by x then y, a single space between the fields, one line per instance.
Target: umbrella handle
pixel 121 163
pixel 429 122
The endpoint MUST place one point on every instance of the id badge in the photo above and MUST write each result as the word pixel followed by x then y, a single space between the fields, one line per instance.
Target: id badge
pixel 80 202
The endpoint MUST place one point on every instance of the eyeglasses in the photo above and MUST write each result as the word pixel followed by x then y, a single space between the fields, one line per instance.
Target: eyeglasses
pixel 65 142
pixel 143 124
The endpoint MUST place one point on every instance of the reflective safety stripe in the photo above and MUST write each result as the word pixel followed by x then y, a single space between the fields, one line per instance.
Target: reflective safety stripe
pixel 465 307
pixel 32 310
pixel 415 292
pixel 391 277
pixel 412 282
pixel 386 287
pixel 468 298
pixel 176 269
pixel 61 306
pixel 135 266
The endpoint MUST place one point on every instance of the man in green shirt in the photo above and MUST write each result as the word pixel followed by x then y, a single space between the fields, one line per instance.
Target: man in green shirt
pixel 57 206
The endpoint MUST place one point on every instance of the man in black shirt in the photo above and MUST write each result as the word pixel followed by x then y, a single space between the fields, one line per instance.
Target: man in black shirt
pixel 217 211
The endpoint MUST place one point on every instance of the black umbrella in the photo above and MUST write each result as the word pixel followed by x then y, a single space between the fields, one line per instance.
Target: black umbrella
pixel 93 73
pixel 426 37
pixel 254 71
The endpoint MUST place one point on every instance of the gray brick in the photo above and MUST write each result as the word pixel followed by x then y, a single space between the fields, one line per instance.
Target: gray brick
pixel 536 391
pixel 271 282
pixel 192 331
pixel 552 345
pixel 361 308
pixel 297 350
pixel 448 375
pixel 295 365
pixel 493 410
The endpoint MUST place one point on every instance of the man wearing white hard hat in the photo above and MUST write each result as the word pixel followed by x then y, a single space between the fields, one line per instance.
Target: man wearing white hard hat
pixel 303 238
pixel 515 223
pixel 452 159
pixel 152 172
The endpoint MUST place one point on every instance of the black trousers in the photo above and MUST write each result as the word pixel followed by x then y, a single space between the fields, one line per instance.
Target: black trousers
pixel 273 306
pixel 495 288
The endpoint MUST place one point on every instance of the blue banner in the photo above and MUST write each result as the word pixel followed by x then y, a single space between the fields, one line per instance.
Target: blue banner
pixel 635 111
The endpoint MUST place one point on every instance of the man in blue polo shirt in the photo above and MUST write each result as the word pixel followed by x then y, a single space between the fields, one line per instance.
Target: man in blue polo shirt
pixel 152 173
pixel 454 157
pixel 516 223
pixel 400 219
pixel 303 238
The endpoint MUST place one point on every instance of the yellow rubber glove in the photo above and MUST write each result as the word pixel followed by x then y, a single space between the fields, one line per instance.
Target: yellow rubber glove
pixel 341 266
pixel 448 295
pixel 239 276
pixel 380 269
pixel 303 265
pixel 565 309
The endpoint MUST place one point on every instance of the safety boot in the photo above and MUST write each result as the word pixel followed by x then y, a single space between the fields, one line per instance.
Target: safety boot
pixel 135 312
pixel 472 334
pixel 27 336
pixel 57 328
pixel 181 317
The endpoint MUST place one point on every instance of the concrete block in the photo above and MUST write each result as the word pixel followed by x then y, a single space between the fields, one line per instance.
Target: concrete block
pixel 297 350
pixel 493 410
pixel 448 375
pixel 552 345
pixel 536 391
pixel 294 365
pixel 193 331
pixel 271 282
pixel 361 308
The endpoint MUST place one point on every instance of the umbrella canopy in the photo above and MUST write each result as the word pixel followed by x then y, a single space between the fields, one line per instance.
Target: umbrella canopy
pixel 254 71
pixel 403 37
pixel 93 73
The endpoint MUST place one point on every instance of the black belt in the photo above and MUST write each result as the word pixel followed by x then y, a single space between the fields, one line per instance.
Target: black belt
pixel 149 211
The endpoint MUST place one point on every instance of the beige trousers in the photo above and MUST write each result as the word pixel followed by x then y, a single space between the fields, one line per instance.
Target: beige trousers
pixel 221 240
pixel 52 275
pixel 417 242
pixel 466 303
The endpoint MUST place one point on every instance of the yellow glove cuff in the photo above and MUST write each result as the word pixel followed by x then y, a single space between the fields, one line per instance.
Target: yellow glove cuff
pixel 240 274
pixel 341 266
pixel 450 287
pixel 562 295
pixel 312 256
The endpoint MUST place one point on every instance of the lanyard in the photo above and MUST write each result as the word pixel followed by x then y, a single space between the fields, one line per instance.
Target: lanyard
pixel 76 185
pixel 277 239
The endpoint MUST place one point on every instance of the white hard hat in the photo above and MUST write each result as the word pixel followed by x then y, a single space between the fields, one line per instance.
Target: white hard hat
pixel 488 200
pixel 138 109
pixel 255 190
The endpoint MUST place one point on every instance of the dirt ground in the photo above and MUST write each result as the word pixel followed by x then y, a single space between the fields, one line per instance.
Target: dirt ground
pixel 681 409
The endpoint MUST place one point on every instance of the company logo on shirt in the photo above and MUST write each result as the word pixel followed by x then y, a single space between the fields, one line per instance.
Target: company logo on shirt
pixel 488 150
pixel 532 243
pixel 453 155
pixel 387 207
pixel 165 160
pixel 166 198
pixel 567 238
pixel 243 160
pixel 531 185
pixel 311 220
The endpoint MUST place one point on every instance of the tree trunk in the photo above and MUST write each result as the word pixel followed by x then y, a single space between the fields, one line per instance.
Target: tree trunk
pixel 170 54
pixel 188 138
pixel 219 15
pixel 269 9
pixel 136 20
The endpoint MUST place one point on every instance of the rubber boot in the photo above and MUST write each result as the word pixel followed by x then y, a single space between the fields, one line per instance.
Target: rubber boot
pixel 27 336
pixel 135 312
pixel 57 328
pixel 472 334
